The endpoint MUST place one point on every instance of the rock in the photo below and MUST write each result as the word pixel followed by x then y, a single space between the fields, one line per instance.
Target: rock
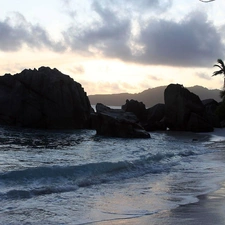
pixel 117 123
pixel 181 108
pixel 197 123
pixel 155 116
pixel 103 108
pixel 43 98
pixel 138 108
pixel 222 123
pixel 210 112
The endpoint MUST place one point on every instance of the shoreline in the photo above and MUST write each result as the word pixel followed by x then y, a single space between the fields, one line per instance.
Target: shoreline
pixel 218 135
pixel 207 211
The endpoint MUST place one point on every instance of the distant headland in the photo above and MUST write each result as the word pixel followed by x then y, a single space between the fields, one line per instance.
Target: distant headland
pixel 151 96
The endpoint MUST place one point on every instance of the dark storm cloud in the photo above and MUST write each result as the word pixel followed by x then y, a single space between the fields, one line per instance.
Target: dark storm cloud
pixel 108 30
pixel 16 31
pixel 191 42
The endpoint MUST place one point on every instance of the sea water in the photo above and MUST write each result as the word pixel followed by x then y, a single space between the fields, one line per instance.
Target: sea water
pixel 76 177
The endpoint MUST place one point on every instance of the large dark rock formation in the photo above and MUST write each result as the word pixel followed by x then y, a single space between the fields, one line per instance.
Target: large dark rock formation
pixel 43 98
pixel 184 110
pixel 138 108
pixel 151 119
pixel 155 118
pixel 117 123
pixel 210 112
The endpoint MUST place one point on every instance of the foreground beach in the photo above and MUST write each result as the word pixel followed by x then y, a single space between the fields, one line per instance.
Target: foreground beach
pixel 208 210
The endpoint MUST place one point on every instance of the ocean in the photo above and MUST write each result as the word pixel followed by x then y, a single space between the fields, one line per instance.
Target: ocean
pixel 75 177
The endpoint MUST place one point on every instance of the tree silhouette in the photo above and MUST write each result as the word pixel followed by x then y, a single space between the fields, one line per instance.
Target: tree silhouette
pixel 221 70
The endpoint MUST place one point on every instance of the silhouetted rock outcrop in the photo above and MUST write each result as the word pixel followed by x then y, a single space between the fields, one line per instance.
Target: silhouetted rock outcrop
pixel 210 112
pixel 184 110
pixel 138 108
pixel 117 123
pixel 155 118
pixel 43 98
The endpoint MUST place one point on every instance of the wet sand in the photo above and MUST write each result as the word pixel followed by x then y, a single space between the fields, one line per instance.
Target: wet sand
pixel 209 210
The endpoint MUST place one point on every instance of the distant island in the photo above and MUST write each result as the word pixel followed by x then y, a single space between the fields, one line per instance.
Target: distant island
pixel 151 96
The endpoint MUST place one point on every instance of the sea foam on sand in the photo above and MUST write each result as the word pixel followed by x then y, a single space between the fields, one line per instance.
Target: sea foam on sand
pixel 210 209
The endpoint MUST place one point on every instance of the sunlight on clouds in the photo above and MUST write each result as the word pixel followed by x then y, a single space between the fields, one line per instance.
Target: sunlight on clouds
pixel 112 47
pixel 14 63
pixel 135 47
pixel 107 76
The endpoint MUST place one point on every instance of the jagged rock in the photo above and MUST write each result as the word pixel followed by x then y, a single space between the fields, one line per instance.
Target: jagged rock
pixel 180 107
pixel 155 116
pixel 138 108
pixel 117 123
pixel 43 98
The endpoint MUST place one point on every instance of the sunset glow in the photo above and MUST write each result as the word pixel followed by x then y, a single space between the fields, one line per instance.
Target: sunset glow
pixel 114 47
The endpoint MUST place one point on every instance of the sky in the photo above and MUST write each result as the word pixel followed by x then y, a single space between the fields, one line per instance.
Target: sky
pixel 115 46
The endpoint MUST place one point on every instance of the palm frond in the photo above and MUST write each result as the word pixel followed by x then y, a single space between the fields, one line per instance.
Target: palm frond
pixel 218 66
pixel 221 62
pixel 217 72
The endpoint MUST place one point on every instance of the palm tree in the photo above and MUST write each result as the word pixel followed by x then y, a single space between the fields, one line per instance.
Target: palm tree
pixel 221 71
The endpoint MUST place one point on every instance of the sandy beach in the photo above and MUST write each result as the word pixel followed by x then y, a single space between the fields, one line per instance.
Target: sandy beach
pixel 210 209
pixel 207 211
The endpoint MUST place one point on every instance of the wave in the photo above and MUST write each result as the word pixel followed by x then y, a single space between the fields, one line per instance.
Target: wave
pixel 24 194
pixel 148 161
pixel 66 172
pixel 57 179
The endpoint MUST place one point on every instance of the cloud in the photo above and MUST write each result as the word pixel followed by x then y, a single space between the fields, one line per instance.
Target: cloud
pixel 106 36
pixel 191 42
pixel 16 31
pixel 105 87
pixel 153 6
pixel 154 78
pixel 131 6
pixel 11 67
pixel 68 9
pixel 79 69
pixel 110 32
pixel 111 87
pixel 132 31
pixel 203 76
